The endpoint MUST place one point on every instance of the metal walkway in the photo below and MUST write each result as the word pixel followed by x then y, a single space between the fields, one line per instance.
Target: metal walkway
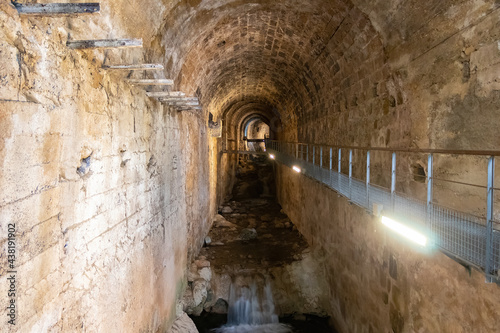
pixel 471 240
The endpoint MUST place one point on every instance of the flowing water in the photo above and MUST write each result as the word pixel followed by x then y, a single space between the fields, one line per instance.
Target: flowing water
pixel 251 310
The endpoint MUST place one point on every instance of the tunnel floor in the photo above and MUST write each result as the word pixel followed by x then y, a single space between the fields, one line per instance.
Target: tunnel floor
pixel 233 248
pixel 255 207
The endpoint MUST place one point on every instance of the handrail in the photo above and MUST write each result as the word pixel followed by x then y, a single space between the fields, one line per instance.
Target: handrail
pixel 470 239
pixel 411 150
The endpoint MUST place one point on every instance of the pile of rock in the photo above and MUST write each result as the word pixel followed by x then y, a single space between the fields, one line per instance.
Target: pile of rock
pixel 199 295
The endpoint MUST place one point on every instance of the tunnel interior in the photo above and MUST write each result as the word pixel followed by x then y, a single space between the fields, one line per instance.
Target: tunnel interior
pixel 136 188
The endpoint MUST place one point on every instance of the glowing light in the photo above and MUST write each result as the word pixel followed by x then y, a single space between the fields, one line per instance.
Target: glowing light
pixel 405 231
pixel 271 156
pixel 296 168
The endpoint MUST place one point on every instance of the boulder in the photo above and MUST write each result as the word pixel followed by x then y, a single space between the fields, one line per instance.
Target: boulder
pixel 227 210
pixel 199 291
pixel 205 273
pixel 221 222
pixel 248 234
pixel 183 324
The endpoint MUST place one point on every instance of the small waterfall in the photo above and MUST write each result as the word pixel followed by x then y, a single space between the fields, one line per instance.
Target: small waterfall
pixel 251 309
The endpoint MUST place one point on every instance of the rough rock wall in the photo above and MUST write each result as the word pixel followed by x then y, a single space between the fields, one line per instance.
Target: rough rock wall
pixel 377 282
pixel 108 190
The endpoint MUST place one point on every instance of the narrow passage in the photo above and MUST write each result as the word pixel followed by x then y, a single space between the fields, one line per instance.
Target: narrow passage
pixel 253 242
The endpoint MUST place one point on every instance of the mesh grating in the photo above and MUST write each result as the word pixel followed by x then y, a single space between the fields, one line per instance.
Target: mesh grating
pixel 459 234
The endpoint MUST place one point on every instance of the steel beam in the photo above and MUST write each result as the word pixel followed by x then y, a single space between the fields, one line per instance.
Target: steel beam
pixel 145 67
pixel 103 43
pixel 154 82
pixel 57 9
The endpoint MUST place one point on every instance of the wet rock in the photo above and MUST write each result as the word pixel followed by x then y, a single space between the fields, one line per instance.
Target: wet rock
pixel 288 225
pixel 220 307
pixel 248 234
pixel 227 210
pixel 207 241
pixel 267 236
pixel 198 310
pixel 211 300
pixel 183 324
pixel 221 286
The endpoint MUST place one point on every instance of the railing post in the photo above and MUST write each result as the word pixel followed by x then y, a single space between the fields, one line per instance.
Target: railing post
pixel 489 220
pixel 430 162
pixel 393 179
pixel 350 173
pixel 314 154
pixel 340 160
pixel 339 169
pixel 331 161
pixel 368 180
pixel 297 151
pixel 321 156
pixel 307 152
pixel 331 165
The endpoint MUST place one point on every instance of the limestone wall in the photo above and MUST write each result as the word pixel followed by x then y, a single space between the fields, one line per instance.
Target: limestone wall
pixel 109 191
pixel 378 282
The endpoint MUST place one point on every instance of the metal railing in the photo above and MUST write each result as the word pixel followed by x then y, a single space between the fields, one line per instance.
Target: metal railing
pixel 471 240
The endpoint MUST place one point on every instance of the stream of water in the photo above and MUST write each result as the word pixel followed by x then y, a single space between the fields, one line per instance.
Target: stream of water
pixel 251 310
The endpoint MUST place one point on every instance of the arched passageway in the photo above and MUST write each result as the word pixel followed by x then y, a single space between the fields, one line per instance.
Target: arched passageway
pixel 112 169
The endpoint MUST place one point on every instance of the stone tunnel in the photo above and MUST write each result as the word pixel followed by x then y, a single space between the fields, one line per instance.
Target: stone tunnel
pixel 116 205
